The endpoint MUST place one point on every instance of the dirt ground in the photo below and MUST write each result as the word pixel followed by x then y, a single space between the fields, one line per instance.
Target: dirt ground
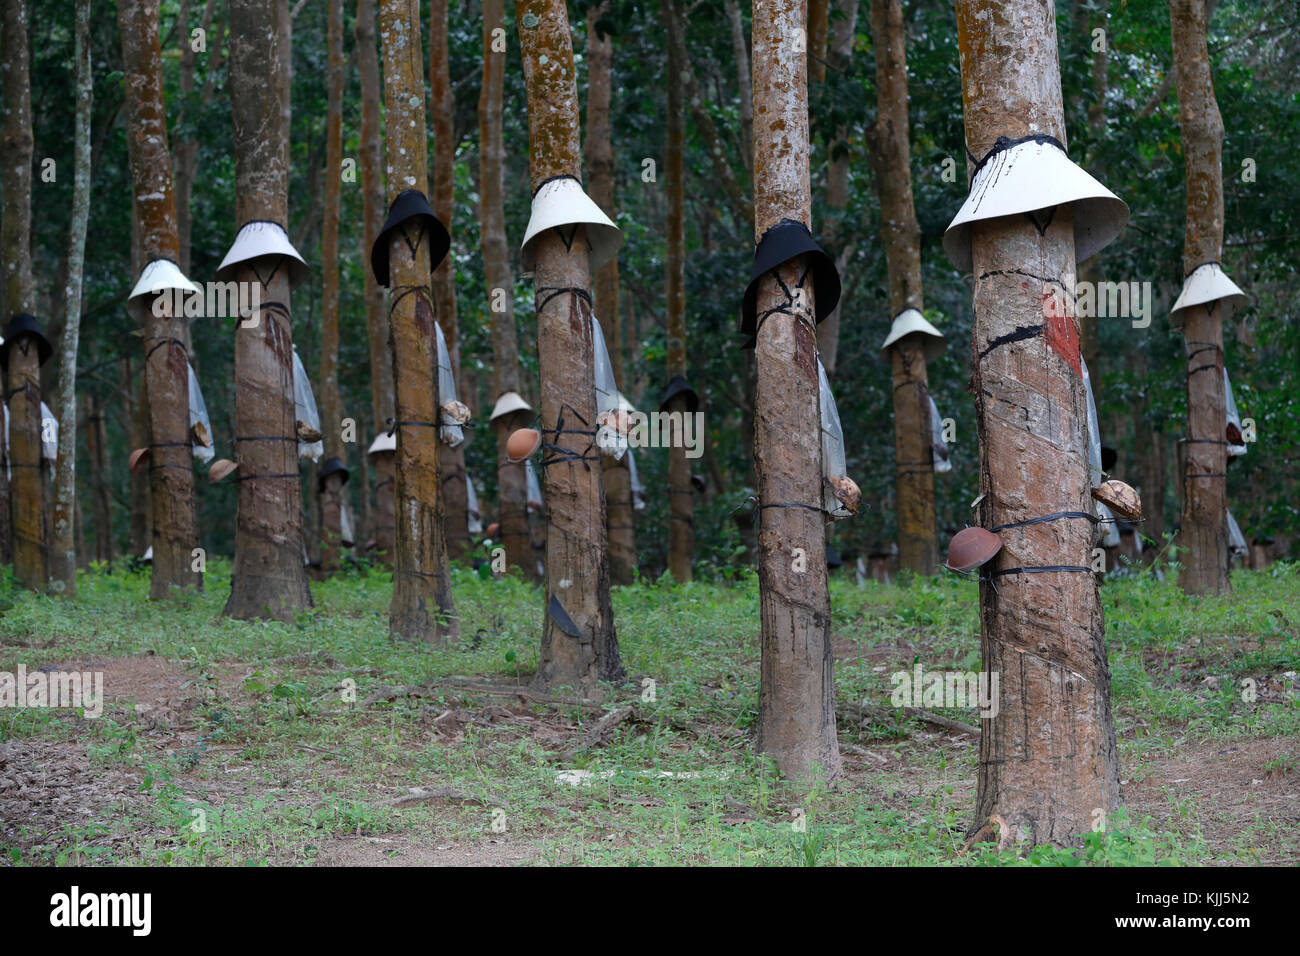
pixel 48 784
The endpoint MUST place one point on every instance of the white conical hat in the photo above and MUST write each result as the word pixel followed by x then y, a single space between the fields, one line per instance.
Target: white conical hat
pixel 384 441
pixel 912 322
pixel 562 202
pixel 1021 176
pixel 507 403
pixel 160 275
pixel 1206 283
pixel 262 238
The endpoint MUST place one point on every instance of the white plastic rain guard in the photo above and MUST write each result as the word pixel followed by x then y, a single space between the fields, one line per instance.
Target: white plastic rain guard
pixel 638 489
pixel 1204 284
pixel 1231 417
pixel 1109 527
pixel 260 238
pixel 1028 176
pixel 912 322
pixel 942 464
pixel 475 517
pixel 199 416
pixel 1236 540
pixel 304 409
pixel 610 441
pixel 383 442
pixel 449 430
pixel 562 202
pixel 49 449
pixel 833 465
pixel 533 486
pixel 1096 475
pixel 159 276
pixel 346 531
pixel 507 403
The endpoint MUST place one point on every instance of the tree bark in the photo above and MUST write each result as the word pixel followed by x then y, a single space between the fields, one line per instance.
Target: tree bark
pixel 892 154
pixel 17 294
pixel 740 50
pixel 837 182
pixel 443 104
pixel 370 162
pixel 796 721
pixel 268 579
pixel 185 155
pixel 1048 759
pixel 577 561
pixel 512 492
pixel 97 454
pixel 620 517
pixel 818 33
pixel 171 474
pixel 681 504
pixel 1204 536
pixel 135 397
pixel 331 410
pixel 422 608
pixel 63 545
pixel 1090 269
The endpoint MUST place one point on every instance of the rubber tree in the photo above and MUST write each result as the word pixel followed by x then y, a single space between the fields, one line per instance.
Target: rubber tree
pixel 681 497
pixel 620 516
pixel 166 369
pixel 17 293
pixel 370 165
pixel 1048 762
pixel 843 33
pixel 422 608
pixel 268 579
pixel 63 550
pixel 1204 535
pixel 499 282
pixel 892 154
pixel 796 720
pixel 443 106
pixel 331 411
pixel 577 559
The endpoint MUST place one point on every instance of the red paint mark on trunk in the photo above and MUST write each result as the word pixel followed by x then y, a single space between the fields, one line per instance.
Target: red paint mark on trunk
pixel 1060 331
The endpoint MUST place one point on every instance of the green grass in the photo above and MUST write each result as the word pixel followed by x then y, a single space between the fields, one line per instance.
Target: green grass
pixel 263 758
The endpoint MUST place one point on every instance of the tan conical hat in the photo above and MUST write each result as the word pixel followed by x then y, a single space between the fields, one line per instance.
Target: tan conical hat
pixel 560 202
pixel 912 322
pixel 1205 284
pixel 159 276
pixel 257 239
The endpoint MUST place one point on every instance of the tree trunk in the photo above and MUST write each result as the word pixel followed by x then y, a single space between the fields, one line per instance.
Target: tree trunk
pixel 818 32
pixel 97 455
pixel 1204 536
pixel 370 162
pixel 512 492
pixel 577 561
pixel 17 294
pixel 185 155
pixel 171 474
pixel 63 550
pixel 796 720
pixel 740 50
pixel 422 608
pixel 620 518
pixel 136 407
pixel 681 531
pixel 837 182
pixel 1048 759
pixel 331 410
pixel 892 154
pixel 268 579
pixel 1090 269
pixel 443 104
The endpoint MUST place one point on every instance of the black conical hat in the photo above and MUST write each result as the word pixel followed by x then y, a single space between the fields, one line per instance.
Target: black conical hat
pixel 24 324
pixel 409 204
pixel 783 242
